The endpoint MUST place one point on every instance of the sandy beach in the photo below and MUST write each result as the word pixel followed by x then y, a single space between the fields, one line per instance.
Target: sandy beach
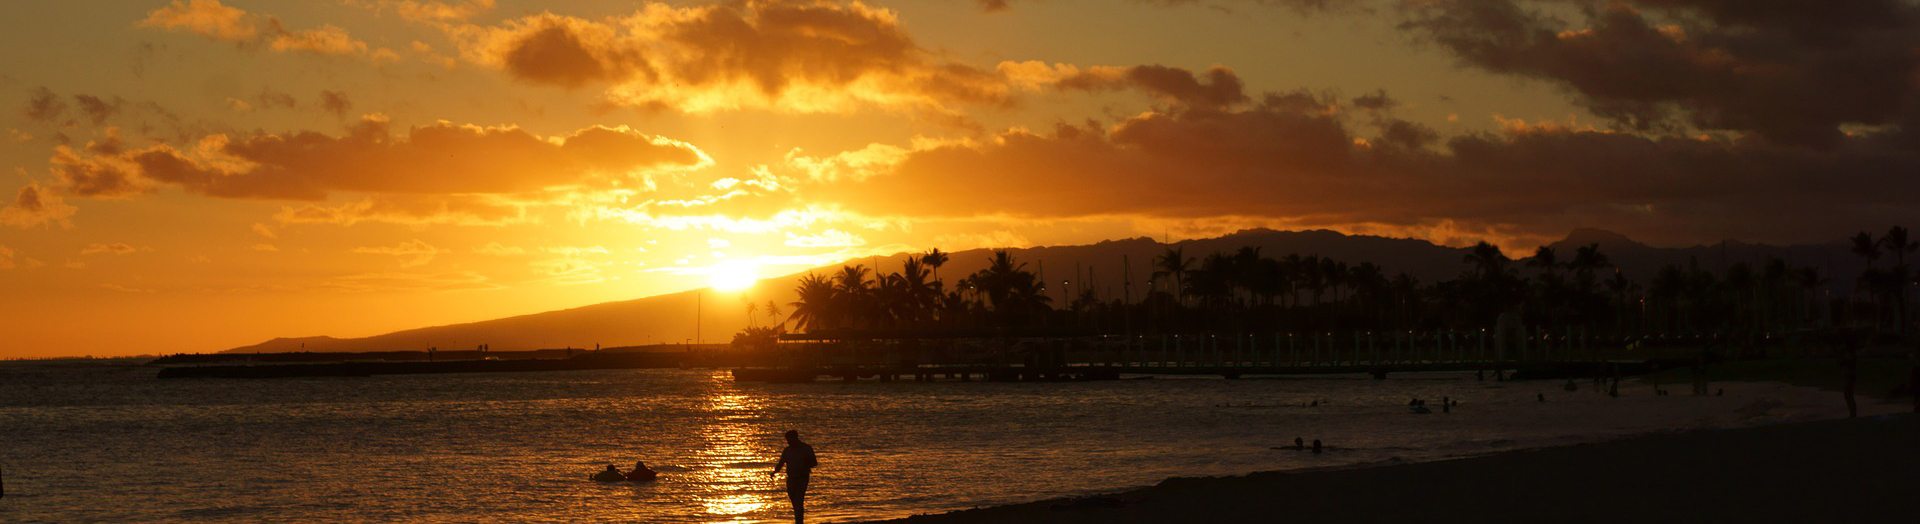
pixel 1856 470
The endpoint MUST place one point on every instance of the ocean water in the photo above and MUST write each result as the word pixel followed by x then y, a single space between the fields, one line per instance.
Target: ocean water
pixel 115 444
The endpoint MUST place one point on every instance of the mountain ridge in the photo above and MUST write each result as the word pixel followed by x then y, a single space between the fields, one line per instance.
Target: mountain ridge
pixel 671 317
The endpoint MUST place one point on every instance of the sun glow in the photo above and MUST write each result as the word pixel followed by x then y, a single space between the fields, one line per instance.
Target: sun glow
pixel 735 275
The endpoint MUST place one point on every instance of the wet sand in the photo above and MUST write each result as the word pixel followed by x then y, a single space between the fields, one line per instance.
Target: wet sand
pixel 1858 470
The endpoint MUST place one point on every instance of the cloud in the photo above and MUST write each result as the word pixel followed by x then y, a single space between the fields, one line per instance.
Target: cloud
pixel 1220 88
pixel 264 231
pixel 412 253
pixel 1309 161
pixel 222 23
pixel 325 40
pixel 428 11
pixel 126 289
pixel 115 249
pixel 1792 72
pixel 44 106
pixel 34 206
pixel 208 18
pixel 828 238
pixel 270 98
pixel 335 102
pixel 96 109
pixel 1223 5
pixel 405 281
pixel 500 250
pixel 786 55
pixel 6 258
pixel 441 158
pixel 464 210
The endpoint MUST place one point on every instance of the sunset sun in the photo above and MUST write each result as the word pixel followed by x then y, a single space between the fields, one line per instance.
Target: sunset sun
pixel 633 259
pixel 733 276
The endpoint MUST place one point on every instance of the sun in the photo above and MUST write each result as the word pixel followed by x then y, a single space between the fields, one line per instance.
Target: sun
pixel 733 275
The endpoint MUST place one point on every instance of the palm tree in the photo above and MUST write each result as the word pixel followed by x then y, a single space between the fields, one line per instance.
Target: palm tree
pixel 1014 293
pixel 854 295
pixel 934 258
pixel 1586 260
pixel 1868 248
pixel 773 313
pixel 817 307
pixel 1620 287
pixel 1810 283
pixel 1544 259
pixel 1897 244
pixel 1487 260
pixel 1174 263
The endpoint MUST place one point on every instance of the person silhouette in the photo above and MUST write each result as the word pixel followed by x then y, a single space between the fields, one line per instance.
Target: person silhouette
pixel 1316 446
pixel 612 474
pixel 799 461
pixel 642 473
pixel 1299 444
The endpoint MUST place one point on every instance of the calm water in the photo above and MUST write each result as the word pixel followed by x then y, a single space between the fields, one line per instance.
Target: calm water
pixel 114 444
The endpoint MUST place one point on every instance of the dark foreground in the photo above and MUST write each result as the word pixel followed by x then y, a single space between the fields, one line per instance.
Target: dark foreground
pixel 1864 470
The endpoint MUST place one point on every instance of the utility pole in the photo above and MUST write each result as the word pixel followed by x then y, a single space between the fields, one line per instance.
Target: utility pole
pixel 698 296
pixel 1126 291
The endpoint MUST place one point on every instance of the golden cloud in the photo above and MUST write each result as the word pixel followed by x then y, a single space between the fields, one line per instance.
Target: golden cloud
pixel 441 158
pixel 34 206
pixel 223 23
pixel 812 56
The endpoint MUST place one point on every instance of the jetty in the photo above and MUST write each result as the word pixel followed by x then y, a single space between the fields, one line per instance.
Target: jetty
pixel 805 358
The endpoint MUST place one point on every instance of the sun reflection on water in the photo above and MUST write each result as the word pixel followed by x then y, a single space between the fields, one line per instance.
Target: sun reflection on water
pixel 732 465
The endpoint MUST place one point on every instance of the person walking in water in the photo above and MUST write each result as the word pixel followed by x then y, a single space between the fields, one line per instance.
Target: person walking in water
pixel 799 462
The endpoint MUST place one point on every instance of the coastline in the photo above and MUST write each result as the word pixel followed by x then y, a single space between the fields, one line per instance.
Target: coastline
pixel 1831 470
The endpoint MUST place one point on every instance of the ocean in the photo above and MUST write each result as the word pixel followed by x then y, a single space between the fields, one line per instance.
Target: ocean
pixel 85 443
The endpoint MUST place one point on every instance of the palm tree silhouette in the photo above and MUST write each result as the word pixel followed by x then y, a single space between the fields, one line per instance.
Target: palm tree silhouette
pixel 934 258
pixel 1174 263
pixel 1868 248
pixel 817 307
pixel 1896 243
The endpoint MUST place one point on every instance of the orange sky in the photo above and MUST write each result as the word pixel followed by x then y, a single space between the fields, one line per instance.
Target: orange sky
pixel 194 175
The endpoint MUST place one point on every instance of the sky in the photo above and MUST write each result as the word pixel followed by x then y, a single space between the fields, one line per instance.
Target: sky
pixel 192 175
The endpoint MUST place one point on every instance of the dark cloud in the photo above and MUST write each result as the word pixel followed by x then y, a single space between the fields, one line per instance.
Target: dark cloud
pixel 1220 88
pixel 1224 5
pixel 441 158
pixel 44 106
pixel 806 56
pixel 96 109
pixel 556 55
pixel 1375 101
pixel 1793 72
pixel 1298 157
pixel 269 99
pixel 34 206
pixel 335 102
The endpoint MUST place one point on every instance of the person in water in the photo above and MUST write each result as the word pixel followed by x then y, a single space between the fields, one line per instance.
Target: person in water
pixel 642 473
pixel 1316 446
pixel 612 474
pixel 799 461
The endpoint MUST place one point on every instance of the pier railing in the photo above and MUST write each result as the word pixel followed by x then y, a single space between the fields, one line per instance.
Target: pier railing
pixel 1231 355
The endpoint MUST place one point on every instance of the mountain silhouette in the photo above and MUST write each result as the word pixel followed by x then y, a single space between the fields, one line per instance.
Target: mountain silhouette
pixel 671 318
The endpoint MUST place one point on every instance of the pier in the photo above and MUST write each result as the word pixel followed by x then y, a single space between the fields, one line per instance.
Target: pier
pixel 807 359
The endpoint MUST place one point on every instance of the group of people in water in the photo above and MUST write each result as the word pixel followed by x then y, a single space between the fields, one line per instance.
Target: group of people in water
pixel 797 459
pixel 640 473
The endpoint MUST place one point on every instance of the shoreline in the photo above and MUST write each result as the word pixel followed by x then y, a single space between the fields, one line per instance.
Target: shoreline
pixel 1829 470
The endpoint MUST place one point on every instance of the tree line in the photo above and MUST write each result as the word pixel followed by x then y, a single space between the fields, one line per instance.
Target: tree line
pixel 1247 291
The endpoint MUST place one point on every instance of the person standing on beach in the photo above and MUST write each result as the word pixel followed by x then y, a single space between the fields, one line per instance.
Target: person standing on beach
pixel 799 462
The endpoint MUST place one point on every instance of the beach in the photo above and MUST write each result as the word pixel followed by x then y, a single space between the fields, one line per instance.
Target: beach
pixel 1855 470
